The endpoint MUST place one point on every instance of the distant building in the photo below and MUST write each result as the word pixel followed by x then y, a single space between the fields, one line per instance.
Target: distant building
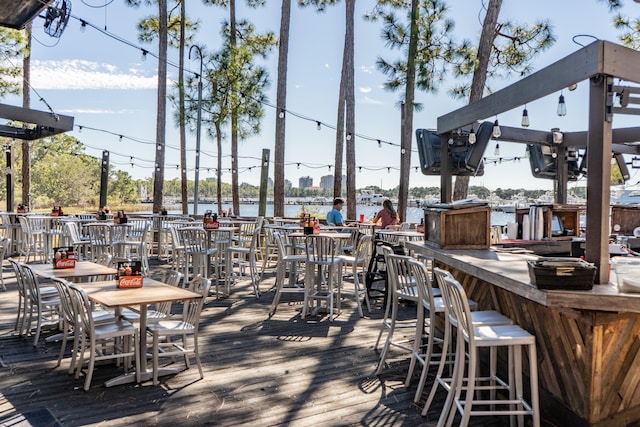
pixel 270 182
pixel 287 183
pixel 326 182
pixel 305 182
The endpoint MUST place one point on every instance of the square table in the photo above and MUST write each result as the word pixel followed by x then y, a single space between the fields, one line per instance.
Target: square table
pixel 152 291
pixel 82 270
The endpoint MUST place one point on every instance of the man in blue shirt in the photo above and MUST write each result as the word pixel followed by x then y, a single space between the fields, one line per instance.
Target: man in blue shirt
pixel 334 217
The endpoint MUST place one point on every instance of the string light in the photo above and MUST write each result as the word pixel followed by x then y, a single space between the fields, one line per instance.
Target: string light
pixel 525 118
pixel 472 136
pixel 83 26
pixel 144 55
pixel 496 130
pixel 319 125
pixel 496 152
pixel 562 107
pixel 379 144
pixel 281 115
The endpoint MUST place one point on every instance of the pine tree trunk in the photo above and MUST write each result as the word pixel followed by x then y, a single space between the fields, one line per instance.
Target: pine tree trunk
pixel 281 105
pixel 407 123
pixel 181 114
pixel 26 103
pixel 161 117
pixel 487 37
pixel 350 106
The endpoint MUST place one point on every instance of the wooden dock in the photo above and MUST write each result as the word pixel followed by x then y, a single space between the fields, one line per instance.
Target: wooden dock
pixel 282 371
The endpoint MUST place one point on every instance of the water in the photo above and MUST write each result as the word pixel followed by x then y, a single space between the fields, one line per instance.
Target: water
pixel 414 215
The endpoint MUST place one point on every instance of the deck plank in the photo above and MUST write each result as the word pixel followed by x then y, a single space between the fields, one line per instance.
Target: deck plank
pixel 258 370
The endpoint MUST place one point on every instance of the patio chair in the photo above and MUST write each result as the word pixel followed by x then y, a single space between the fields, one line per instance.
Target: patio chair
pixel 117 339
pixel 321 259
pixel 290 262
pixel 44 307
pixel 170 335
pixel 244 254
pixel 357 263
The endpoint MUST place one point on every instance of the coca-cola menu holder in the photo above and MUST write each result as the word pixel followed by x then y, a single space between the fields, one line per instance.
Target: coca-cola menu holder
pixel 129 274
pixel 64 257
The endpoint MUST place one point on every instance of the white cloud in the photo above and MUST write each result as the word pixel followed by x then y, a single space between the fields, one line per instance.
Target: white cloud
pixel 78 74
pixel 365 89
pixel 367 69
pixel 371 101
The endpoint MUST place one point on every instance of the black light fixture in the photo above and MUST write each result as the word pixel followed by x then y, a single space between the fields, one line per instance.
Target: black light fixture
pixel 496 130
pixel 472 136
pixel 525 118
pixel 562 107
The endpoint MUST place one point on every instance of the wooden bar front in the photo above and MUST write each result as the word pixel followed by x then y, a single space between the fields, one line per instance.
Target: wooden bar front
pixel 588 342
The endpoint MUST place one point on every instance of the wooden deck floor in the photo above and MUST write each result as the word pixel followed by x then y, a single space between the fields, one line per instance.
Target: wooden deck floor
pixel 281 371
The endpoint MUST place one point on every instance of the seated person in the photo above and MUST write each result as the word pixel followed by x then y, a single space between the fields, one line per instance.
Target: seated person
pixel 387 216
pixel 334 217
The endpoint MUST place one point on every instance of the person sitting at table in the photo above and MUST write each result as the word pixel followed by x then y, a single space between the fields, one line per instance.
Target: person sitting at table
pixel 387 216
pixel 334 217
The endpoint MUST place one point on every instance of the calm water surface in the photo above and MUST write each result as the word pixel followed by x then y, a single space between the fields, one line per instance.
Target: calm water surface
pixel 414 215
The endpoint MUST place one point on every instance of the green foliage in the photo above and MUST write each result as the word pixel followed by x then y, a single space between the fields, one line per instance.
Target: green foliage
pixel 61 174
pixel 630 28
pixel 12 45
pixel 513 51
pixel 436 47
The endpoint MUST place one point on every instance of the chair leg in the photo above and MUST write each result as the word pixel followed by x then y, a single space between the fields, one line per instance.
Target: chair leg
pixel 92 361
pixel 196 352
pixel 155 358
pixel 387 343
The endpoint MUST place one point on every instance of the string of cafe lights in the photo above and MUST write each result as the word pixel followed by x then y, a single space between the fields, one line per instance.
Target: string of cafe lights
pixel 281 114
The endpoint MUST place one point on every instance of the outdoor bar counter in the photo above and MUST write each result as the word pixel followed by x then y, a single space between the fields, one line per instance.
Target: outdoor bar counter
pixel 588 342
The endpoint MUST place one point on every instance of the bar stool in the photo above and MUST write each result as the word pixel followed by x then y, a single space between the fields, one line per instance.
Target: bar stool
pixel 285 260
pixel 404 284
pixel 321 256
pixel 470 340
pixel 479 318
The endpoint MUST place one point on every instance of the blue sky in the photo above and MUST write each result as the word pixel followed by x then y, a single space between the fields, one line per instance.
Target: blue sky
pixel 104 84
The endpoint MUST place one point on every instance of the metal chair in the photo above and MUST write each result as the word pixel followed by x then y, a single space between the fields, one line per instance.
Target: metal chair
pixel 286 261
pixel 117 339
pixel 198 252
pixel 167 329
pixel 325 285
pixel 478 317
pixel 45 307
pixel 472 338
pixel 100 238
pixel 357 262
pixel 244 254
pixel 33 233
pixel 80 244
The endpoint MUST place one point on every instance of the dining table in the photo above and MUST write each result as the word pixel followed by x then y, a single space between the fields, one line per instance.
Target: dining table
pixel 152 291
pixel 82 270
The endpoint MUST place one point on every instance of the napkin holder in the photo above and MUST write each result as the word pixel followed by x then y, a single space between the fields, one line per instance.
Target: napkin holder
pixel 64 257
pixel 129 274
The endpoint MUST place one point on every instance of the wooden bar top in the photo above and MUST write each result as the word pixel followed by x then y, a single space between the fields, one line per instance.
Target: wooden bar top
pixel 509 271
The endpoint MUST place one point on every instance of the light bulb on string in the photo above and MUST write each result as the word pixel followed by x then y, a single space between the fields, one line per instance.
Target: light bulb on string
pixel 562 107
pixel 496 130
pixel 319 125
pixel 525 118
pixel 379 144
pixel 349 136
pixel 144 55
pixel 472 136
pixel 83 26
pixel 281 115
pixel 496 152
pixel 450 139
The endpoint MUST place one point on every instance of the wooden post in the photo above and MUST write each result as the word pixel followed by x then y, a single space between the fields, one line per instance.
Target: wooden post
pixel 104 179
pixel 264 178
pixel 9 176
pixel 562 174
pixel 599 177
pixel 446 191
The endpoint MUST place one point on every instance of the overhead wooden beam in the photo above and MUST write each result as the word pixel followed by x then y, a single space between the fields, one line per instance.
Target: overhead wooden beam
pixel 580 65
pixel 46 123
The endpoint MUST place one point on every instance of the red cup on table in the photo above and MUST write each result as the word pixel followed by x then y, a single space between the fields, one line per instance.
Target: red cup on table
pixel 361 218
